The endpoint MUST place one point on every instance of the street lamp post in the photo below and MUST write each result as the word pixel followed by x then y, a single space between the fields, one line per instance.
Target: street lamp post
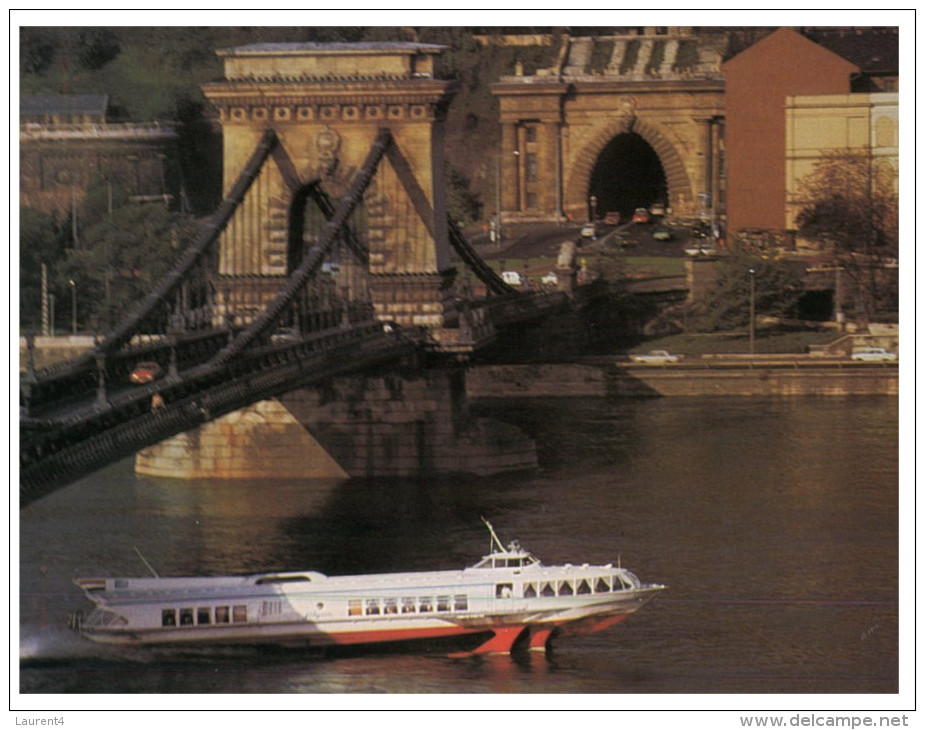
pixel 498 191
pixel 593 201
pixel 751 313
pixel 73 284
pixel 498 200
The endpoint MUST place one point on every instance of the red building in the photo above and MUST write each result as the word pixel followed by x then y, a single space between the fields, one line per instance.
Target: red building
pixel 758 79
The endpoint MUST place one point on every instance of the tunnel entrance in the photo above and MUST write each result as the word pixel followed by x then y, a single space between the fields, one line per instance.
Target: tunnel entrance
pixel 628 175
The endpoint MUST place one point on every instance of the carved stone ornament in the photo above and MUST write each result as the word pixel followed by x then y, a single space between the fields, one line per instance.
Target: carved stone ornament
pixel 628 107
pixel 327 143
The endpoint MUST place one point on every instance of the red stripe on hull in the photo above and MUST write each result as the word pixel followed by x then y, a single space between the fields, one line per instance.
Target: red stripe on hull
pixel 592 624
pixel 347 638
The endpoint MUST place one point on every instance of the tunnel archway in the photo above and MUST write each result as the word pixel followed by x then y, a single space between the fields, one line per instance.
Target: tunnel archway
pixel 628 174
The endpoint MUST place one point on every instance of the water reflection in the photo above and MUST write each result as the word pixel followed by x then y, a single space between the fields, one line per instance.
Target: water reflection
pixel 774 524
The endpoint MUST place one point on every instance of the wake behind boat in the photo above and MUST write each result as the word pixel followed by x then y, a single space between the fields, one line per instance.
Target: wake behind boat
pixel 507 595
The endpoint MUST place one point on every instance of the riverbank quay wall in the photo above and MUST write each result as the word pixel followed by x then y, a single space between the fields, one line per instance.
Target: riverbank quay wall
pixel 717 376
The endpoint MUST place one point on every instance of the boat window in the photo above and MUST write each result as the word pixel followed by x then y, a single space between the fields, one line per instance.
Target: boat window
pixel 461 603
pixel 425 605
pixel 529 590
pixel 372 607
pixel 221 614
pixel 565 589
pixel 186 617
pixel 271 579
pixel 443 603
pixel 354 607
pixel 583 587
pixel 203 615
pixel 407 605
pixel 239 615
pixel 547 590
pixel 271 608
pixel 504 590
pixel 601 586
pixel 169 617
pixel 391 605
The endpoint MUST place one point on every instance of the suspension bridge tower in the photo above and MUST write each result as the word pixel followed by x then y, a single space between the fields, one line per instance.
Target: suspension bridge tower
pixel 327 103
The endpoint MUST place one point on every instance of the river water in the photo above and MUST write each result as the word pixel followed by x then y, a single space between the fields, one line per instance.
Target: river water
pixel 774 524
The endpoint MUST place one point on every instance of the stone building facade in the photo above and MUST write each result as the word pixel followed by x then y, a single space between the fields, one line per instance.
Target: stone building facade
pixel 816 125
pixel 68 142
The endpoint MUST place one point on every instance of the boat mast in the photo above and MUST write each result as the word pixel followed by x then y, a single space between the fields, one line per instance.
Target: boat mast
pixel 494 538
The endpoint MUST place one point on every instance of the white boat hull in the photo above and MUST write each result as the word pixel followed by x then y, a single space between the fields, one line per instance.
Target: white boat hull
pixel 509 595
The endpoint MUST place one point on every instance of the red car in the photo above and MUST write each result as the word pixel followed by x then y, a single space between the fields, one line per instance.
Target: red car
pixel 145 372
pixel 640 215
pixel 612 218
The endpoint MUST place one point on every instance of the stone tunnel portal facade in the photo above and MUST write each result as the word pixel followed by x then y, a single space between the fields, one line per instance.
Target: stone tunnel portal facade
pixel 575 130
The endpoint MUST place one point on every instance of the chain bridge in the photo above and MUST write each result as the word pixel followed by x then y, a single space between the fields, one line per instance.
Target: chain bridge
pixel 331 254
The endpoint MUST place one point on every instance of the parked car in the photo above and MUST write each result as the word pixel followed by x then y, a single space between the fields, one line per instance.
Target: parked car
pixel 662 234
pixel 612 218
pixel 657 209
pixel 550 278
pixel 696 248
pixel 873 354
pixel 284 335
pixel 512 277
pixel 145 372
pixel 589 230
pixel 655 357
pixel 640 215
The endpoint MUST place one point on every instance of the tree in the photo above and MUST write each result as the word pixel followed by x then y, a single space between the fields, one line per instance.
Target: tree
pixel 37 49
pixel 728 305
pixel 849 204
pixel 122 255
pixel 96 47
pixel 41 241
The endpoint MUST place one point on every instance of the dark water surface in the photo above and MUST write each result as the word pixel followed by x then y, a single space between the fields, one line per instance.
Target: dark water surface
pixel 773 522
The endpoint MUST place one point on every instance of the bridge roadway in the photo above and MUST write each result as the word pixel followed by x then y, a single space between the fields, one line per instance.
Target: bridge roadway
pixel 74 440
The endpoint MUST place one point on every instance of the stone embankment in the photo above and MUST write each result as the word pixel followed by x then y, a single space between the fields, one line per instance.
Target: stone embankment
pixel 791 375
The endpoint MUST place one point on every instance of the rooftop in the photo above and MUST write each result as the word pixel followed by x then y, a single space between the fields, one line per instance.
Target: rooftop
pixel 259 49
pixel 44 104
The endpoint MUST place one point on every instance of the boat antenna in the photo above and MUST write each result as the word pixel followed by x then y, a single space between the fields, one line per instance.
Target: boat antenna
pixel 494 537
pixel 146 563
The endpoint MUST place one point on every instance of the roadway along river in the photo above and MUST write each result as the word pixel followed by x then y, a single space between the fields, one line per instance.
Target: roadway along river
pixel 774 524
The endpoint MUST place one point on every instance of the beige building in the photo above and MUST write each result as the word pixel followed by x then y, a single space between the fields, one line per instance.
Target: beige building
pixel 817 125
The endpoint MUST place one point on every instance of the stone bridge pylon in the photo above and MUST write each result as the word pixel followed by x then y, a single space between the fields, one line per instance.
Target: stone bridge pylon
pixel 327 103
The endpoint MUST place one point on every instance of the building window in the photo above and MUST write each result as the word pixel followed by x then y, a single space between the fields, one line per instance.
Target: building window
pixel 354 607
pixel 407 605
pixel 169 617
pixel 203 616
pixel 239 615
pixel 425 605
pixel 372 607
pixel 531 167
pixel 461 603
pixel 530 134
pixel 221 614
pixel 186 617
pixel 391 605
pixel 531 201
